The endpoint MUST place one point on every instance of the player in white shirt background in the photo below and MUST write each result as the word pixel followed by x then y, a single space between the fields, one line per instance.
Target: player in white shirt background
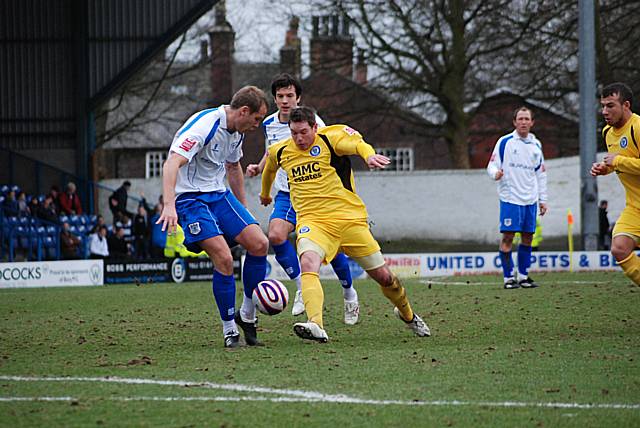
pixel 286 91
pixel 517 164
pixel 205 149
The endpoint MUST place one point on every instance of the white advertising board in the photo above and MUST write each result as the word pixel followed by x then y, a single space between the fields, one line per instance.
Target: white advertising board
pixel 424 265
pixel 66 273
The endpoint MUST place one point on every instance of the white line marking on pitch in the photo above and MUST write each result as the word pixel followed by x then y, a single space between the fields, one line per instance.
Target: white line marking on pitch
pixel 291 396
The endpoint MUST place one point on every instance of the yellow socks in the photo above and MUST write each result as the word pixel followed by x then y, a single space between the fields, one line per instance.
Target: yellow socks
pixel 397 295
pixel 631 267
pixel 313 296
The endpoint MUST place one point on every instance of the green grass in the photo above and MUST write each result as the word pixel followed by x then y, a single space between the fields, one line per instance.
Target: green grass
pixel 574 340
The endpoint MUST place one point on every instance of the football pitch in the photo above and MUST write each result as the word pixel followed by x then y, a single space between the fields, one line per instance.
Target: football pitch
pixel 566 354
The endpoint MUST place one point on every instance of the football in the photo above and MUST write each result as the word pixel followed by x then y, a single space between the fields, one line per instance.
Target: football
pixel 270 296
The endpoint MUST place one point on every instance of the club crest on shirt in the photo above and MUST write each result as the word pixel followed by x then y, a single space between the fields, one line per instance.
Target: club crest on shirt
pixel 507 222
pixel 315 151
pixel 624 142
pixel 194 228
pixel 304 229
pixel 188 144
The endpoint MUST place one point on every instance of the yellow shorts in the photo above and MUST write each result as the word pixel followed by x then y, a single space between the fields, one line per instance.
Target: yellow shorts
pixel 351 237
pixel 628 224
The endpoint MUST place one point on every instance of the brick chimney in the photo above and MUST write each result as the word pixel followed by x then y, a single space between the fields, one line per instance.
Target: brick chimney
pixel 332 45
pixel 222 38
pixel 290 53
pixel 361 69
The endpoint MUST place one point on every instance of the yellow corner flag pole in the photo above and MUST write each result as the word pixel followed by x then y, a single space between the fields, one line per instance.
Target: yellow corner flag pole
pixel 570 238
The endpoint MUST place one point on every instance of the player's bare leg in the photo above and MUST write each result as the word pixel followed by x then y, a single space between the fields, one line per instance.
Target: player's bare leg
pixel 623 249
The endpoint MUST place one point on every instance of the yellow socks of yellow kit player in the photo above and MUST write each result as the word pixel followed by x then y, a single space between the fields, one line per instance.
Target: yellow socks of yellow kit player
pixel 313 296
pixel 398 296
pixel 631 267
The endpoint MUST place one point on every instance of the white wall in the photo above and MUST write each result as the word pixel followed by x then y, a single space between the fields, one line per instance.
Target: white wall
pixel 440 204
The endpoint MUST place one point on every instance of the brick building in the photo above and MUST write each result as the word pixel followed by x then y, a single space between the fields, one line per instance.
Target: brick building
pixel 337 88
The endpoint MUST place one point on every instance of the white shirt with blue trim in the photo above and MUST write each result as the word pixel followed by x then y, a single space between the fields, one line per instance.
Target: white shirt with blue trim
pixel 525 179
pixel 275 131
pixel 207 143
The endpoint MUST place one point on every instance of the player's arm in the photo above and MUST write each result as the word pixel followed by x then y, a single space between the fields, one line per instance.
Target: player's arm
pixel 541 177
pixel 622 163
pixel 268 176
pixel 494 167
pixel 236 181
pixel 347 141
pixel 254 169
pixel 169 217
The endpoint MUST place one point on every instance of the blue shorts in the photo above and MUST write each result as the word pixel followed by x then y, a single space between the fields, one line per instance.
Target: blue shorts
pixel 283 209
pixel 205 215
pixel 518 218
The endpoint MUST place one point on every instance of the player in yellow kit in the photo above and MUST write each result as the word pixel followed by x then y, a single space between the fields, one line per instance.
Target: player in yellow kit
pixel 331 216
pixel 622 137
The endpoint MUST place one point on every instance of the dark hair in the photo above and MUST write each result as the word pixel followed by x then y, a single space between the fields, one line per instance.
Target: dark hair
pixel 127 183
pixel 303 114
pixel 522 108
pixel 284 80
pixel 250 96
pixel 623 92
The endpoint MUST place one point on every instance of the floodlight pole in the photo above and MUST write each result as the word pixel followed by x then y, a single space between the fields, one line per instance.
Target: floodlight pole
pixel 587 87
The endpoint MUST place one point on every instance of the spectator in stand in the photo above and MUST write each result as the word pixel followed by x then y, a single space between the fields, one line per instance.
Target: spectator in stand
pixel 98 246
pixel 127 226
pixel 158 237
pixel 34 206
pixel 47 211
pixel 69 243
pixel 141 233
pixel 10 204
pixel 118 201
pixel 70 201
pixel 118 246
pixel 23 206
pixel 99 223
pixel 54 192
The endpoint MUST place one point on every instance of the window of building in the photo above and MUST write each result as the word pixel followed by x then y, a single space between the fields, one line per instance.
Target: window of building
pixel 154 162
pixel 401 158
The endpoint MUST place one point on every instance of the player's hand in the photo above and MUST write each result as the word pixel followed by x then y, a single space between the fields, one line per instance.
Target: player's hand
pixel 499 175
pixel 598 168
pixel 265 201
pixel 169 219
pixel 378 161
pixel 253 170
pixel 608 159
pixel 543 208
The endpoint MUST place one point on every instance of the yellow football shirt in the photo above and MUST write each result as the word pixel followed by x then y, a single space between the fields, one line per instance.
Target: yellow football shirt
pixel 625 141
pixel 320 178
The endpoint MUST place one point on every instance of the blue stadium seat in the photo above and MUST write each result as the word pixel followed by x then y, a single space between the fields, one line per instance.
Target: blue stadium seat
pixel 73 229
pixel 74 219
pixel 4 189
pixel 81 228
pixel 1 199
pixel 41 198
pixel 13 220
pixel 15 188
pixel 64 219
pixel 52 230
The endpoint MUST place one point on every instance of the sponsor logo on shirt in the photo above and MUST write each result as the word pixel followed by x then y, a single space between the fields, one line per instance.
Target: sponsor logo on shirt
pixel 349 130
pixel 624 142
pixel 194 228
pixel 188 144
pixel 315 151
pixel 306 172
pixel 304 229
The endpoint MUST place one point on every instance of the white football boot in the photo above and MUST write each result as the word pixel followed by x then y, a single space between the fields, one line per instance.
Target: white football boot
pixel 416 324
pixel 310 330
pixel 351 312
